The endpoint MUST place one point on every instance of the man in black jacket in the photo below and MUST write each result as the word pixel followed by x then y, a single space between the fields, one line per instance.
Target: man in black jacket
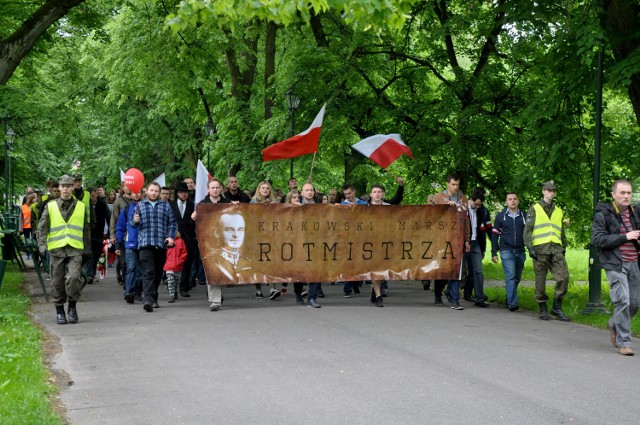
pixel 182 209
pixel 615 232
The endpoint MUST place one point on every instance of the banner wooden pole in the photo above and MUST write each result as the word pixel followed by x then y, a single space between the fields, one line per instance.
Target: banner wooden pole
pixel 313 161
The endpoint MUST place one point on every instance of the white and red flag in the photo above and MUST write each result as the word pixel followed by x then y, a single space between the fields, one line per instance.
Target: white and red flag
pixel 382 149
pixel 300 144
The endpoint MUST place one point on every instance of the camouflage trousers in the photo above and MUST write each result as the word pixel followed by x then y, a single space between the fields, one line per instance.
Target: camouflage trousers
pixel 557 265
pixel 66 278
pixel 173 282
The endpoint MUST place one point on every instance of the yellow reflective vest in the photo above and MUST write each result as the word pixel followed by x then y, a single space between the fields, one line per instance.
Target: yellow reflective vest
pixel 545 229
pixel 86 199
pixel 62 233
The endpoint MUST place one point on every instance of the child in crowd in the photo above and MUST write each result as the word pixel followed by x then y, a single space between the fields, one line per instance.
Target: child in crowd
pixel 176 257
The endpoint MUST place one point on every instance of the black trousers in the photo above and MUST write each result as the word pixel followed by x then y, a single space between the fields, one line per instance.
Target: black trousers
pixel 152 261
pixel 192 252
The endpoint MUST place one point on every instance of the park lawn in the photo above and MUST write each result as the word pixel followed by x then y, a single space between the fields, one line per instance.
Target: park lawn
pixel 25 392
pixel 577 295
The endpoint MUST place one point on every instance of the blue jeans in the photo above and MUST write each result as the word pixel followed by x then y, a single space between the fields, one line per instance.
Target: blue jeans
pixel 512 264
pixel 474 263
pixel 132 276
pixel 453 288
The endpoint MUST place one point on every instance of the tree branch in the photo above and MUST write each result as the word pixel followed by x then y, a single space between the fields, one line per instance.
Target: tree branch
pixel 14 48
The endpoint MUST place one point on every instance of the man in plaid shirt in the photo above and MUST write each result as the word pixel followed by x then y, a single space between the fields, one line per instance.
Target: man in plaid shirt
pixel 156 229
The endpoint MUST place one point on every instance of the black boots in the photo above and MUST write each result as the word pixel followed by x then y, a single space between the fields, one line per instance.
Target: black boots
pixel 544 315
pixel 556 310
pixel 72 313
pixel 61 319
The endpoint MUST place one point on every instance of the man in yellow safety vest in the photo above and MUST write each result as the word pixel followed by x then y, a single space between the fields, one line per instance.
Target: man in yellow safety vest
pixel 546 241
pixel 64 232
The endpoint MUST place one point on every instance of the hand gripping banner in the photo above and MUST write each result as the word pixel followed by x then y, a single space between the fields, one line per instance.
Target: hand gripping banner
pixel 270 243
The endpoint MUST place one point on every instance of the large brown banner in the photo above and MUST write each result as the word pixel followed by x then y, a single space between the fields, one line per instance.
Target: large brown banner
pixel 268 243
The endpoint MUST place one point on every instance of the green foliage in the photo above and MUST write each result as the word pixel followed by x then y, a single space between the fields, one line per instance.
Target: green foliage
pixel 24 390
pixel 501 91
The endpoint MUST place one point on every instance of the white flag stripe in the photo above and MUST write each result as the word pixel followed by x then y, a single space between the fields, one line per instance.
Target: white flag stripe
pixel 202 180
pixel 161 180
pixel 367 146
pixel 122 173
pixel 317 122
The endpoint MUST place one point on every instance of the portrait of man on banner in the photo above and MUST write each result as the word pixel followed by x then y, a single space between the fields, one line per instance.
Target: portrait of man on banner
pixel 229 232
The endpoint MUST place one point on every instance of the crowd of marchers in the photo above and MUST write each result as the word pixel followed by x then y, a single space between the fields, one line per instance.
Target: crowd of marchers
pixel 152 235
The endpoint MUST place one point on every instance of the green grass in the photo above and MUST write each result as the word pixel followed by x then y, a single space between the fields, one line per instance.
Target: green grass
pixel 24 389
pixel 577 295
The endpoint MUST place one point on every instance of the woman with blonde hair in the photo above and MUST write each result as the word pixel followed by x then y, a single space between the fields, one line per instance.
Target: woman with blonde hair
pixel 264 194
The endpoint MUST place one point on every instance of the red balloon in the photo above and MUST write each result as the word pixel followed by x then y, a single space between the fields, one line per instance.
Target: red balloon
pixel 134 180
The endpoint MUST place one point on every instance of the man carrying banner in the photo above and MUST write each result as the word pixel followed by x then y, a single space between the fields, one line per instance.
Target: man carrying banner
pixel 454 197
pixel 308 193
pixel 377 198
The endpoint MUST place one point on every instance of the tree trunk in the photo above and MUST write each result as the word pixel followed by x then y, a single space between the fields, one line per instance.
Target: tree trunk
pixel 14 48
pixel 269 67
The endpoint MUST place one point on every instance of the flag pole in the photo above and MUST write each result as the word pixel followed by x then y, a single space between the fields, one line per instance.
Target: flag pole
pixel 313 161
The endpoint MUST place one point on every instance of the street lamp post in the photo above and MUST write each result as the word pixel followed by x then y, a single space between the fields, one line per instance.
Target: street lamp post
pixel 209 132
pixel 595 304
pixel 9 219
pixel 293 102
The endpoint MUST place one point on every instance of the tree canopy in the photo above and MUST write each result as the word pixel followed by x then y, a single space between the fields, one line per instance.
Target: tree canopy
pixel 502 91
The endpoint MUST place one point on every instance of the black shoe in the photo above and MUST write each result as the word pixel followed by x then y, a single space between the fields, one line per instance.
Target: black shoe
pixel 299 299
pixel 148 307
pixel 426 285
pixel 156 305
pixel 356 290
pixel 556 310
pixel 61 319
pixel 438 300
pixel 468 298
pixel 72 314
pixel 372 297
pixel 129 298
pixel 481 303
pixel 184 294
pixel 320 293
pixel 379 302
pixel 385 292
pixel 172 299
pixel 313 303
pixel 274 294
pixel 514 308
pixel 544 314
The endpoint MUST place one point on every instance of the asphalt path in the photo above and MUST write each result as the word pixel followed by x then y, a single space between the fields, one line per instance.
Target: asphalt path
pixel 349 362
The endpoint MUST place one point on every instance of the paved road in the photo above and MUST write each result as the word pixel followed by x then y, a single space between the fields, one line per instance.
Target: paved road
pixel 273 362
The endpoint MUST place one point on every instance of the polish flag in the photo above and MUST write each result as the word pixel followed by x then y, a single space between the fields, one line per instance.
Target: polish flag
pixel 300 144
pixel 382 149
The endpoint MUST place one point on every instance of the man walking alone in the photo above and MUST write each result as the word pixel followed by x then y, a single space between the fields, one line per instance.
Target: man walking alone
pixel 615 232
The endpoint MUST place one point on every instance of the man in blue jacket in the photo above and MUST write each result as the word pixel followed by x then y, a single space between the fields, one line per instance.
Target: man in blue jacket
pixel 508 237
pixel 127 243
